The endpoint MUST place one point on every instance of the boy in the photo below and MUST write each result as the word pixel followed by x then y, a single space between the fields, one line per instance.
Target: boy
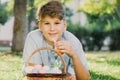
pixel 52 33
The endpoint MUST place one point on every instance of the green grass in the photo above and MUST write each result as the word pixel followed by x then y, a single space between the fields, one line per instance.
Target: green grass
pixel 10 66
pixel 102 65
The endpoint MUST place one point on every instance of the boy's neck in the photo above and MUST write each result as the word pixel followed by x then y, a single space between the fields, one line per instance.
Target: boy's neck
pixel 49 42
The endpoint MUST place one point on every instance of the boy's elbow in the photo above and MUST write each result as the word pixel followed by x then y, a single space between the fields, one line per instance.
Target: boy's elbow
pixel 87 77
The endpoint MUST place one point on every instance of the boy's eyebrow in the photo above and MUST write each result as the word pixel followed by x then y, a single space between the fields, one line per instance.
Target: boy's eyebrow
pixel 48 21
pixel 44 21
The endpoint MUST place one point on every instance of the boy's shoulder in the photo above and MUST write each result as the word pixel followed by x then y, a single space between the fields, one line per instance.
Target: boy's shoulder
pixel 70 37
pixel 34 33
pixel 68 34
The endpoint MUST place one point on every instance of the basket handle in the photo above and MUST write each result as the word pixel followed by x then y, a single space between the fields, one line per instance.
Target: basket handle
pixel 44 48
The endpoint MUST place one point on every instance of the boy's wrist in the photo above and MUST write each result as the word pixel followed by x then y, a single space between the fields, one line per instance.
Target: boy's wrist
pixel 74 56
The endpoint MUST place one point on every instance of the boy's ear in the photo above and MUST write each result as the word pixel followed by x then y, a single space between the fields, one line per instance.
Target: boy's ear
pixel 65 26
pixel 39 26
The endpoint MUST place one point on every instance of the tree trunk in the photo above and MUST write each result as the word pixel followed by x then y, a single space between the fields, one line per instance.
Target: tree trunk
pixel 20 24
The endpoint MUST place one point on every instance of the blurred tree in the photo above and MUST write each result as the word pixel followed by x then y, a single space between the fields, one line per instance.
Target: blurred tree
pixel 9 7
pixel 102 11
pixel 100 7
pixel 20 24
pixel 102 16
pixel 31 14
pixel 3 14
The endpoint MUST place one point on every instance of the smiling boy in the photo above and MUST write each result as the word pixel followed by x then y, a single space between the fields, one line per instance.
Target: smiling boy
pixel 52 33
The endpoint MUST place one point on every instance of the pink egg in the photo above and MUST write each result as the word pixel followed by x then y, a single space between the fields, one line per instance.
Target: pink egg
pixel 35 70
pixel 56 70
pixel 59 71
pixel 46 68
pixel 38 67
pixel 42 71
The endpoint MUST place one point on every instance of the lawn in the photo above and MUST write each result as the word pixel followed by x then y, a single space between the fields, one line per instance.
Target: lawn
pixel 103 65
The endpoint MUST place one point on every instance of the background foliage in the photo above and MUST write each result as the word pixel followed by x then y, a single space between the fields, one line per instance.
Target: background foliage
pixel 103 21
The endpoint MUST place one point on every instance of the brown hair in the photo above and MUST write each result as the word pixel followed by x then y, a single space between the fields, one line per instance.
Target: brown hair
pixel 53 9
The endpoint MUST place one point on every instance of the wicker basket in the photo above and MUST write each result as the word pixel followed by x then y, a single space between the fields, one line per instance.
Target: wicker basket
pixel 47 76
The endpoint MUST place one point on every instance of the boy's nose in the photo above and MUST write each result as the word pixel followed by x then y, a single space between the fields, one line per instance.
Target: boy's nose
pixel 52 27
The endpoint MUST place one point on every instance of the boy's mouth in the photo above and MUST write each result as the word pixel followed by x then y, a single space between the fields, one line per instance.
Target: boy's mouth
pixel 52 34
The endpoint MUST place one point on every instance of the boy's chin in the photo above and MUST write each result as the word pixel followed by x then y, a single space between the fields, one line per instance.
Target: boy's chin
pixel 53 39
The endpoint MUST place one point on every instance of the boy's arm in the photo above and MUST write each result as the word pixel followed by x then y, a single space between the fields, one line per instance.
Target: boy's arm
pixel 80 71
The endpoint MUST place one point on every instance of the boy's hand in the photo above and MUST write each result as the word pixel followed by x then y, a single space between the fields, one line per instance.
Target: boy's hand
pixel 65 47
pixel 72 77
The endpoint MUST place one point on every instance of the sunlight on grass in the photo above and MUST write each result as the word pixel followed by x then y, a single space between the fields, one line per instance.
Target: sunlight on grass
pixel 103 65
pixel 10 66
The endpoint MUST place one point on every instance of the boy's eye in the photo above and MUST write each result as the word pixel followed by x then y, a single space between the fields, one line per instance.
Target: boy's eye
pixel 46 23
pixel 57 23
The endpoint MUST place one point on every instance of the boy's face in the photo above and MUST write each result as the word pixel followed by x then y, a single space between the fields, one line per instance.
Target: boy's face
pixel 52 28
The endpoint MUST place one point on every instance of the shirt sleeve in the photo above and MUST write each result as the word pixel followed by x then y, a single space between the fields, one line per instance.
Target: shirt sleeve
pixel 75 42
pixel 29 46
